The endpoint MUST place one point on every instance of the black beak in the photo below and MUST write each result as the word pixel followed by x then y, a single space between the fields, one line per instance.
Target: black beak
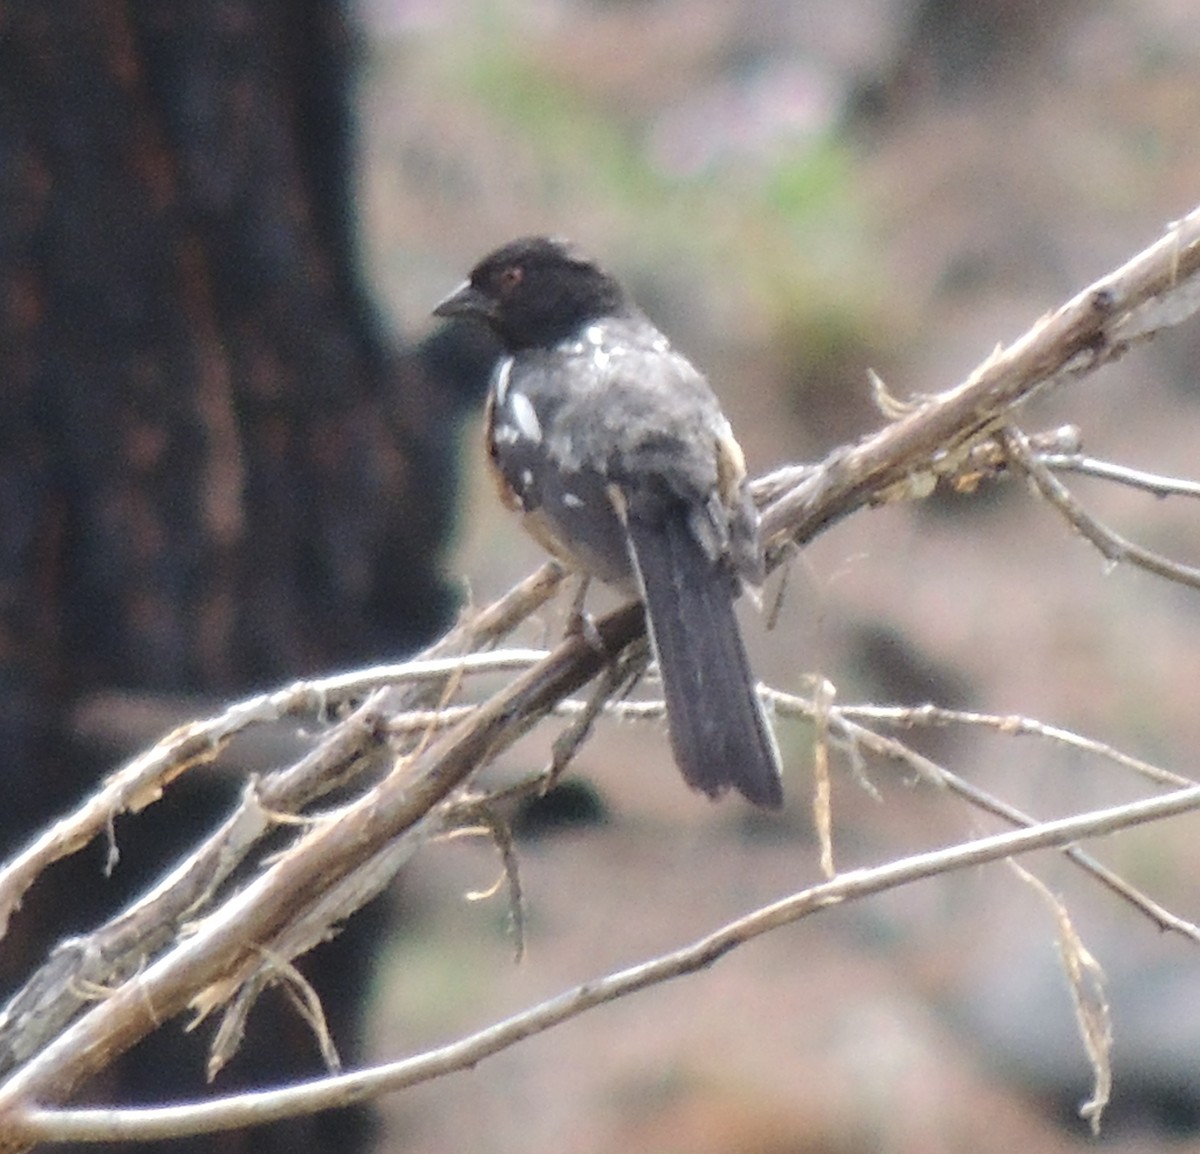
pixel 466 301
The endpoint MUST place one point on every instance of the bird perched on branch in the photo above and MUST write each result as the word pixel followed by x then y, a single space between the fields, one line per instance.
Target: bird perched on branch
pixel 615 450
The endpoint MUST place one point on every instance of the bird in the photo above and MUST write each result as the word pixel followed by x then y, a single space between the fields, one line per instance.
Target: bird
pixel 615 451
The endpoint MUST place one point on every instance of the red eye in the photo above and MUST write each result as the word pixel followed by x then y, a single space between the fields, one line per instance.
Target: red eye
pixel 509 277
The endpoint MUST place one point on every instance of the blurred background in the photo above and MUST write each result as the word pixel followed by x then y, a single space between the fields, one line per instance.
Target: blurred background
pixel 797 193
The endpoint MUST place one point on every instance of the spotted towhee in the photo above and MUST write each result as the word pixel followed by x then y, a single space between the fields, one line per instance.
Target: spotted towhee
pixel 617 453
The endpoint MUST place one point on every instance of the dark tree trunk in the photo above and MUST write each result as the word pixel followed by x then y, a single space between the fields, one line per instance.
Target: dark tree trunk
pixel 212 473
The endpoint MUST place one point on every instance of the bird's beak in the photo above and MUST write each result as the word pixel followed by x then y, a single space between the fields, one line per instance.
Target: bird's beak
pixel 466 301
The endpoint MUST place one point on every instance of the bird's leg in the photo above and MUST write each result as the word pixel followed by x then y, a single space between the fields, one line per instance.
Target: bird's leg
pixel 580 622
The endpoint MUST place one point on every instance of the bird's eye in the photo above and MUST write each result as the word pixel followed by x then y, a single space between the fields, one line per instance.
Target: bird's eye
pixel 509 277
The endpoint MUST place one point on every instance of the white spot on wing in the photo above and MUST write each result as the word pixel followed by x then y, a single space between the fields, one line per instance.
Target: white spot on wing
pixel 595 336
pixel 572 500
pixel 525 417
pixel 503 372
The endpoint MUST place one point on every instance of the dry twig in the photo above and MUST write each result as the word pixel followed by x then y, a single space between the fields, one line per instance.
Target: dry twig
pixel 52 1038
pixel 256 1108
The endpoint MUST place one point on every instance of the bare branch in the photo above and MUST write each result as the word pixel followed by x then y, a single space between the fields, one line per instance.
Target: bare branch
pixel 1155 483
pixel 1114 548
pixel 857 737
pixel 315 877
pixel 42 1125
pixel 1156 289
pixel 140 783
pixel 1012 724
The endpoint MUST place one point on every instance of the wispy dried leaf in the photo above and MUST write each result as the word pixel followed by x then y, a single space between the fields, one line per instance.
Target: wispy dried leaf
pixel 1085 980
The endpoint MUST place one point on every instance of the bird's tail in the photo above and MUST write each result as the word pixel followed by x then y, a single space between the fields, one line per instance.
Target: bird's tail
pixel 719 734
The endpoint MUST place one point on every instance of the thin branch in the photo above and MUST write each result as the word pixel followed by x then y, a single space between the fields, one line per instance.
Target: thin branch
pixel 845 719
pixel 1156 483
pixel 909 717
pixel 1011 724
pixel 141 782
pixel 25 1125
pixel 1156 289
pixel 1113 547
pixel 840 720
pixel 617 678
pixel 224 943
pixel 888 747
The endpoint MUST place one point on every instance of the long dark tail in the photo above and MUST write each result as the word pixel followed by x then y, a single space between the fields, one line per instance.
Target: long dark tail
pixel 719 734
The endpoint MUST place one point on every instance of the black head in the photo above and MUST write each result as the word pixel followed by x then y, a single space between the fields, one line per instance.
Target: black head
pixel 535 292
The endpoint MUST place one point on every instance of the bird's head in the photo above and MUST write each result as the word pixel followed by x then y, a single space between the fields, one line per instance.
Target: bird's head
pixel 535 292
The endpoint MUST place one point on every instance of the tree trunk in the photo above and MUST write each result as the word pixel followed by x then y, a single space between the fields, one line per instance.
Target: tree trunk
pixel 212 473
